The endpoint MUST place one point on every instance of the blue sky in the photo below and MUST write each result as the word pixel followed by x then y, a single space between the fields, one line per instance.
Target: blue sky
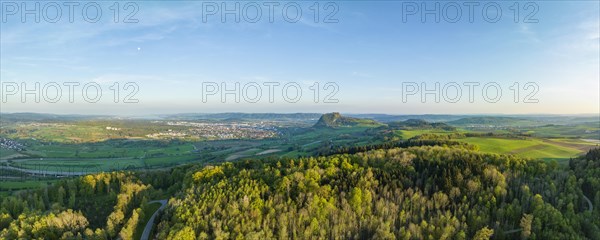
pixel 369 53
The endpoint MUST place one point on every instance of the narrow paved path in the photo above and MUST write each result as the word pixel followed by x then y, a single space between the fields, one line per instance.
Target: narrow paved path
pixel 513 231
pixel 148 228
pixel 590 206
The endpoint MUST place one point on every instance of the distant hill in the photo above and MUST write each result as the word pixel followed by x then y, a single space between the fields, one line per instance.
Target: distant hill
pixel 420 124
pixel 335 119
pixel 385 118
pixel 45 117
pixel 495 121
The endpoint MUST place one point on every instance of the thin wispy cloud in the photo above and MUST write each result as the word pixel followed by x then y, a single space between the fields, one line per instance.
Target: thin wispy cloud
pixel 526 29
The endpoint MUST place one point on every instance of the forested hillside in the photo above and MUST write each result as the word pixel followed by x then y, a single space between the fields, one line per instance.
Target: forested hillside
pixel 436 190
pixel 99 206
pixel 414 193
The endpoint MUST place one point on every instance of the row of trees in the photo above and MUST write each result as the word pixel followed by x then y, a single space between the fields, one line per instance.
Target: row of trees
pixel 587 172
pixel 421 140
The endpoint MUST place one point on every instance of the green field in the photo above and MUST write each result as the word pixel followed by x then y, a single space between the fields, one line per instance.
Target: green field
pixel 4 153
pixel 98 165
pixel 576 141
pixel 21 185
pixel 530 148
pixel 111 149
pixel 585 130
pixel 137 154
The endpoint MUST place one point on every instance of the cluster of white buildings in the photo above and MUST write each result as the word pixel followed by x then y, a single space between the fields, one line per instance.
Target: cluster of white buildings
pixel 10 144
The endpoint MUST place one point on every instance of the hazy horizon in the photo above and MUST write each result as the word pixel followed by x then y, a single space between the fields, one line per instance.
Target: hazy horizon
pixel 292 112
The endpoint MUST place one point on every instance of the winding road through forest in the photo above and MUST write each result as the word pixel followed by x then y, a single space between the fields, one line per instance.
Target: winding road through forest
pixel 590 206
pixel 148 228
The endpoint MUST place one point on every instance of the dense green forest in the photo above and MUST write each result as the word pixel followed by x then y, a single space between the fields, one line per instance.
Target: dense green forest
pixel 427 192
pixel 428 189
pixel 99 206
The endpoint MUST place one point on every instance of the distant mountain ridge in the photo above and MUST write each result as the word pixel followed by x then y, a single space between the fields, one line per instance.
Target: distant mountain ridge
pixel 495 121
pixel 27 116
pixel 420 124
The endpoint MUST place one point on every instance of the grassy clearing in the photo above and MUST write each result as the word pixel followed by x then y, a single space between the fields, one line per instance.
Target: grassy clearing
pixel 242 154
pixel 586 130
pixel 169 160
pixel 571 140
pixel 79 165
pixel 108 150
pixel 6 186
pixel 9 154
pixel 531 148
pixel 6 152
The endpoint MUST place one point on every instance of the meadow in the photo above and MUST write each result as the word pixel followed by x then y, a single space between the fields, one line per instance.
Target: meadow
pixel 7 186
pixel 590 130
pixel 6 153
pixel 535 148
pixel 560 149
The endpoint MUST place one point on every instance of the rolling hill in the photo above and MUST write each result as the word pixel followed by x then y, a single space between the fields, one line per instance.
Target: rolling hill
pixel 335 119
